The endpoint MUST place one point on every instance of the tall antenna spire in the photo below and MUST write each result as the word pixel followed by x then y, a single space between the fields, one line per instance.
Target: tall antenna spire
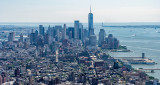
pixel 90 8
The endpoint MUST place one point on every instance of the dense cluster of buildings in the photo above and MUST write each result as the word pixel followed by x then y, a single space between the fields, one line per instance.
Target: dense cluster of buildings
pixel 109 42
pixel 64 55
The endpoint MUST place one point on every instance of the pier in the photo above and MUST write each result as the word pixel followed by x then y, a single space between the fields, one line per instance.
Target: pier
pixel 143 57
pixel 137 60
pixel 150 70
pixel 128 57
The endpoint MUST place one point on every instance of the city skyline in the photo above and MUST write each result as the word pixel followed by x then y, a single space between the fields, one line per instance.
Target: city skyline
pixel 68 11
pixel 79 42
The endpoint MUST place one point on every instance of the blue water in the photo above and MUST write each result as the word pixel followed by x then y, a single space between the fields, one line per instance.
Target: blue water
pixel 147 40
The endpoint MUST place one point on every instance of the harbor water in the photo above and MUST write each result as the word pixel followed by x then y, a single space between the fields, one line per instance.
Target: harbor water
pixel 138 40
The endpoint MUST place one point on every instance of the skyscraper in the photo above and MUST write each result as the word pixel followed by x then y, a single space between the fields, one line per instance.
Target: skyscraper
pixel 46 38
pixel 64 32
pixel 93 40
pixel 71 32
pixel 76 29
pixel 80 32
pixel 21 37
pixel 32 38
pixel 11 36
pixel 50 31
pixel 102 35
pixel 41 30
pixel 58 35
pixel 90 23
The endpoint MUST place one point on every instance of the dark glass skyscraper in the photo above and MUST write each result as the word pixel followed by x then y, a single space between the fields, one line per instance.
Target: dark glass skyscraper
pixel 41 30
pixel 90 23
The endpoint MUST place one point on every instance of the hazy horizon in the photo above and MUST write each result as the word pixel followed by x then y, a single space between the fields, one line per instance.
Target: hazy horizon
pixel 111 11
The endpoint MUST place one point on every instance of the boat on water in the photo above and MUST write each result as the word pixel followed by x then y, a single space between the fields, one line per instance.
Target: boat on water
pixel 133 35
pixel 158 31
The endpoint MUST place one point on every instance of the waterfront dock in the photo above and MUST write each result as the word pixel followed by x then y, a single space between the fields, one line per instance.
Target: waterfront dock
pixel 137 60
pixel 149 70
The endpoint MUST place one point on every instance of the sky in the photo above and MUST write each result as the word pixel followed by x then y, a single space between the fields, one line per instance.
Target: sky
pixel 70 10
